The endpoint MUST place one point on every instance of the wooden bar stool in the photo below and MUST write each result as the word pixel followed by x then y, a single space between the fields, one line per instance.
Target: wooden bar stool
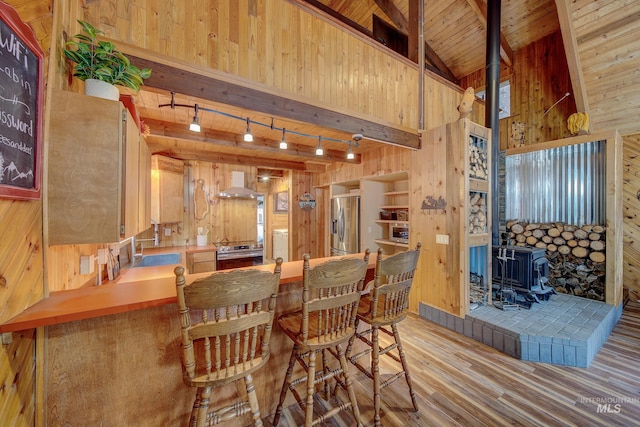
pixel 330 298
pixel 226 321
pixel 385 306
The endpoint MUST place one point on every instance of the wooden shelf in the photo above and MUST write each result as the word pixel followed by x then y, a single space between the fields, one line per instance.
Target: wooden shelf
pixel 391 243
pixel 396 193
pixel 478 185
pixel 394 207
pixel 388 194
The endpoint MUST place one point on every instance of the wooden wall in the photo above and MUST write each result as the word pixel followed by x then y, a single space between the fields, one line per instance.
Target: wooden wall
pixel 275 42
pixel 630 209
pixel 22 265
pixel 539 77
pixel 426 177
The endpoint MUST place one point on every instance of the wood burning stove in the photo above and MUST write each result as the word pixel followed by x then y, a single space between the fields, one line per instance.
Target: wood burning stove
pixel 526 271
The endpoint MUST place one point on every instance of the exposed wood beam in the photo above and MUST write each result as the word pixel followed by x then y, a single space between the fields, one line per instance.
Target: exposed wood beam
pixel 391 10
pixel 216 157
pixel 216 86
pixel 571 52
pixel 265 146
pixel 411 26
pixel 480 9
pixel 339 17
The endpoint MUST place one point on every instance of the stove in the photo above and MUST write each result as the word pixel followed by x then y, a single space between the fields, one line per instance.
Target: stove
pixel 238 254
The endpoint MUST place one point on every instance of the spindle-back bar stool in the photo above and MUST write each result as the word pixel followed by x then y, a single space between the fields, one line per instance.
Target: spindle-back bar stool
pixel 226 320
pixel 382 308
pixel 330 296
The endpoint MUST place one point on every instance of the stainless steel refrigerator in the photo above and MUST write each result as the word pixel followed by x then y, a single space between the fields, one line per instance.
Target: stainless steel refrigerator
pixel 345 225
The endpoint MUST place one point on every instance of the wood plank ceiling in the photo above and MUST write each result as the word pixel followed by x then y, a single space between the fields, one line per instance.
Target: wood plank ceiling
pixel 600 39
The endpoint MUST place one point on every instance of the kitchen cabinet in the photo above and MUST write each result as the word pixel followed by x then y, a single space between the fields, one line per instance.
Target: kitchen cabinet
pixel 167 189
pixel 144 192
pixel 93 157
pixel 201 261
pixel 386 223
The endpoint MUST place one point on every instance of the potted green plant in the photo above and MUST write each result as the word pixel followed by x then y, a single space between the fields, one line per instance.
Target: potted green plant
pixel 100 61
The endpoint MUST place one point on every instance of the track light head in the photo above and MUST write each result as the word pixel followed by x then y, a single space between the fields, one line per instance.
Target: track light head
pixel 248 137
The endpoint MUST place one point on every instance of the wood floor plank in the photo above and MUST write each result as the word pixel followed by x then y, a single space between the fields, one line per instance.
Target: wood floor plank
pixel 461 382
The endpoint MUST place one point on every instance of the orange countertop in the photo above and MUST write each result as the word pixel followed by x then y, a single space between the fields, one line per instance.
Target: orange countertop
pixel 135 289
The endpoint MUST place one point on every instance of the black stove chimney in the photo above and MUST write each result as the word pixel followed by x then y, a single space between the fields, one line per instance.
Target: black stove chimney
pixel 493 105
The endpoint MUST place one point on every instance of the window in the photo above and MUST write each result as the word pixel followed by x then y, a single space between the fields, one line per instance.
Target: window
pixel 504 98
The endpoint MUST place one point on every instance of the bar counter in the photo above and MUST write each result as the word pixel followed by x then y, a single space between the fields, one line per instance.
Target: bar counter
pixel 112 352
pixel 135 289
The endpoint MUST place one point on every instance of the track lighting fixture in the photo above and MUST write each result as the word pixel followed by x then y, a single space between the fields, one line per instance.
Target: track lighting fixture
pixel 350 155
pixel 283 141
pixel 248 137
pixel 319 150
pixel 195 124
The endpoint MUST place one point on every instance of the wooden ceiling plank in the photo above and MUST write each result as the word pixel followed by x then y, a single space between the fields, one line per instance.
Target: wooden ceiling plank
pixel 480 9
pixel 625 22
pixel 571 52
pixel 191 83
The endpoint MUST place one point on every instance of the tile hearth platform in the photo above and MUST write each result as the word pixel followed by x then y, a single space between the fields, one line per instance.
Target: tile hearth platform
pixel 565 330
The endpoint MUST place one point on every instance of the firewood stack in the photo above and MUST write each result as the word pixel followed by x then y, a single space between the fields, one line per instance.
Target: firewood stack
pixel 477 213
pixel 477 162
pixel 576 254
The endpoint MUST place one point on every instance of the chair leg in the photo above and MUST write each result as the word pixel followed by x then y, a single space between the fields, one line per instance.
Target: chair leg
pixel 253 400
pixel 285 386
pixel 325 368
pixel 405 366
pixel 375 371
pixel 352 339
pixel 311 373
pixel 349 385
pixel 200 407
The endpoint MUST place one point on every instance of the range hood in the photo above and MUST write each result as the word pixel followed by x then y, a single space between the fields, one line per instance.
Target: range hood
pixel 237 189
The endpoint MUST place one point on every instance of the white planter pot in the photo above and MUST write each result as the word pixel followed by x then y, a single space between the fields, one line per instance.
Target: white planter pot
pixel 100 89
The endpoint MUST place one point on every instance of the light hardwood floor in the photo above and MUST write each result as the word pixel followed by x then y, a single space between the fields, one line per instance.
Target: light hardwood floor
pixel 461 382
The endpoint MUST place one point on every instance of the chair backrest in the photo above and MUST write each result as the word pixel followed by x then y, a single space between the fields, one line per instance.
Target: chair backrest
pixel 392 284
pixel 330 298
pixel 226 320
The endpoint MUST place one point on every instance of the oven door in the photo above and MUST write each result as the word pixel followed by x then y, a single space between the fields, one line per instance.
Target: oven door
pixel 227 264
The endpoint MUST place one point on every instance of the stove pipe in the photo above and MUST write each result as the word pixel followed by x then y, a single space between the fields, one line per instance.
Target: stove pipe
pixel 493 106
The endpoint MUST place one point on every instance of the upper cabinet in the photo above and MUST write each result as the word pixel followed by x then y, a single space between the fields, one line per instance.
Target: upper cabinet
pixel 144 177
pixel 167 189
pixel 94 169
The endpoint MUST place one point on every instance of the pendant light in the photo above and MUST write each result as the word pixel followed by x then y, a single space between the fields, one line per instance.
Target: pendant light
pixel 248 137
pixel 319 150
pixel 350 155
pixel 283 142
pixel 195 124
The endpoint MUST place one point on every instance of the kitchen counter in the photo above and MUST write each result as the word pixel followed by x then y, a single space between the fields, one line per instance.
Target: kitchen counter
pixel 135 289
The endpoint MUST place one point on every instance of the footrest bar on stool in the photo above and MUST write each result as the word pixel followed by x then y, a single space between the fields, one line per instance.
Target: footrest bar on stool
pixel 392 379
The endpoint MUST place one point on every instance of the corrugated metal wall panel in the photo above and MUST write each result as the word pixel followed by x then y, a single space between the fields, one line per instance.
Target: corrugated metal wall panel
pixel 560 184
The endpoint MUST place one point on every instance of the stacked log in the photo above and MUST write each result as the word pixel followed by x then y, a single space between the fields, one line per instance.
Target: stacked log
pixel 576 255
pixel 477 213
pixel 478 164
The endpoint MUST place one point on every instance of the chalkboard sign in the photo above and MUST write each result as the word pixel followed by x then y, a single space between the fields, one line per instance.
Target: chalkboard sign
pixel 21 89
